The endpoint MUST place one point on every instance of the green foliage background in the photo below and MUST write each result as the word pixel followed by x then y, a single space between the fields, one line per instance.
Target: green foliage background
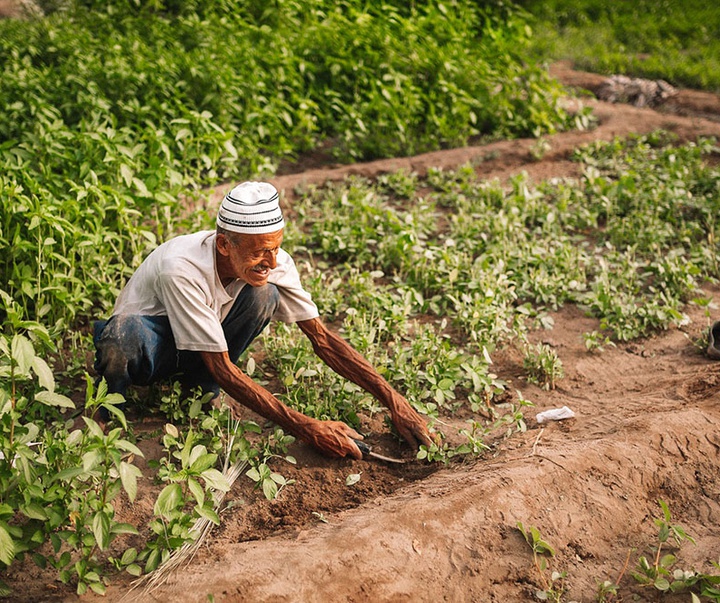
pixel 674 40
pixel 113 110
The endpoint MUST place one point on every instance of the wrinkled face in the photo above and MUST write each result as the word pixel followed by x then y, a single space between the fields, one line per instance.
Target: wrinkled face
pixel 248 257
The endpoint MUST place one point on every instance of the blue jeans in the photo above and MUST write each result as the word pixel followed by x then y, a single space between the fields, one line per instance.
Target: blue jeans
pixel 140 350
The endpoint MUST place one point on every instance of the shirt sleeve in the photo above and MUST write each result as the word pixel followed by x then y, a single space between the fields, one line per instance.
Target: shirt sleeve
pixel 296 303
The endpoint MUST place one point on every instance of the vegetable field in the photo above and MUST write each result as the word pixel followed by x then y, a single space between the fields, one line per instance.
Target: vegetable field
pixel 495 245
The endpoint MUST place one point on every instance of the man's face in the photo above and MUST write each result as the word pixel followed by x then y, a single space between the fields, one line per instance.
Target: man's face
pixel 251 259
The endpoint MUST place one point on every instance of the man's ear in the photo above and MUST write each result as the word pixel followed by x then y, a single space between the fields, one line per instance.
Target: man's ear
pixel 223 244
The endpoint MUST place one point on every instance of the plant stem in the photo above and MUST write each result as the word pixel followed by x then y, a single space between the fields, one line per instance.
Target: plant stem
pixel 625 566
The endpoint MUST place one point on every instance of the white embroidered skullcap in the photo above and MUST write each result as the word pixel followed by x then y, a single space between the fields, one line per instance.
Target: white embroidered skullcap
pixel 251 208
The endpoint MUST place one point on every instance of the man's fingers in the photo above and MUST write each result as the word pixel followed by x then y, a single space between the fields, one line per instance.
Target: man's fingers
pixel 421 437
pixel 409 437
pixel 353 434
pixel 356 453
pixel 413 430
pixel 425 437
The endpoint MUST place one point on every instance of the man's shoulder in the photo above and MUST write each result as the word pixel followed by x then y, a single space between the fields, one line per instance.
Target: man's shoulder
pixel 191 254
pixel 200 239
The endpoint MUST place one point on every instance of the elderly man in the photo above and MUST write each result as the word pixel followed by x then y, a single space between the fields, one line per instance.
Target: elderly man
pixel 197 302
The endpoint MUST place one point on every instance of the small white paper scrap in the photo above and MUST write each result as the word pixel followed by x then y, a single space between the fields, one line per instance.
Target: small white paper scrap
pixel 555 414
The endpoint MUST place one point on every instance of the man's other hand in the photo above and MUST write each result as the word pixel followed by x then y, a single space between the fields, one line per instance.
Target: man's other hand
pixel 409 423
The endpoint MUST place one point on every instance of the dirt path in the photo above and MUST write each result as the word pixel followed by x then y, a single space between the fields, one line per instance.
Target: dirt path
pixel 646 428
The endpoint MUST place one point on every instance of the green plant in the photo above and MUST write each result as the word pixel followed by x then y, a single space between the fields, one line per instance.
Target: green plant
pixel 274 446
pixel 539 149
pixel 552 587
pixel 270 481
pixel 181 406
pixel 657 572
pixel 543 365
pixel 106 469
pixel 607 591
pixel 190 473
pixel 595 341
pixel 70 488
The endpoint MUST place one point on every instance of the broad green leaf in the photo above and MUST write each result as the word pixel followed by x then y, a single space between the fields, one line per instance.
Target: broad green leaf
pixel 168 500
pixel 68 474
pixel 141 187
pixel 203 462
pixel 117 413
pixel 183 133
pixel 208 514
pixel 5 402
pixel 54 399
pixel 91 459
pixel 270 489
pixel 153 561
pixel 195 408
pixel 215 479
pixel 129 447
pixel 7 547
pixel 128 476
pixel 195 453
pixel 101 529
pixel 33 511
pixel 93 427
pixel 22 353
pixel 44 373
pixel 197 491
pixel 123 528
pixel 134 569
pixel 127 174
pixel 278 479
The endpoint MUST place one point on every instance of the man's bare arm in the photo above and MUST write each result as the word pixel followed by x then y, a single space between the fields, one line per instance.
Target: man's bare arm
pixel 331 437
pixel 341 357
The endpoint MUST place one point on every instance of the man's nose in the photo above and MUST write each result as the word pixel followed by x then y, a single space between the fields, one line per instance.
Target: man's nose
pixel 271 259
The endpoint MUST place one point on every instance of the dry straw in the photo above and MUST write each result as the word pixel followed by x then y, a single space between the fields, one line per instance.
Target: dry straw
pixel 202 527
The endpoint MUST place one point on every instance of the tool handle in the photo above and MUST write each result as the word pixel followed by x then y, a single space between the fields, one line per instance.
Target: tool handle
pixel 364 448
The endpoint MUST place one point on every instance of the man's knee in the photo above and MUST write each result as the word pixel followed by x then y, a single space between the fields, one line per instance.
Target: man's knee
pixel 126 350
pixel 111 358
pixel 120 333
pixel 265 300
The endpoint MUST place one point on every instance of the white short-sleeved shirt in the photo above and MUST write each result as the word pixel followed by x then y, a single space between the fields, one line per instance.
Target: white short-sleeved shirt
pixel 179 280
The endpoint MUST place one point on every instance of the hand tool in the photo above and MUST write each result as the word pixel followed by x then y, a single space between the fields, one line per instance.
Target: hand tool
pixel 367 451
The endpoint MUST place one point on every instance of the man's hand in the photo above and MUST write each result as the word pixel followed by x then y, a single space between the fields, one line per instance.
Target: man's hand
pixel 410 425
pixel 332 438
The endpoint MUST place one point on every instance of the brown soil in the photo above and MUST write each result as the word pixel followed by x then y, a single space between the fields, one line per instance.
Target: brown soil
pixel 646 428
